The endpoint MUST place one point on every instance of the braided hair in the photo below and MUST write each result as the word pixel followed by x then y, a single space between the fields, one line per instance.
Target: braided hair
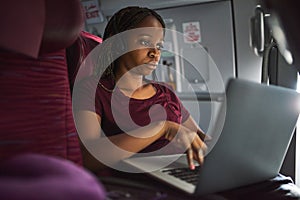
pixel 123 20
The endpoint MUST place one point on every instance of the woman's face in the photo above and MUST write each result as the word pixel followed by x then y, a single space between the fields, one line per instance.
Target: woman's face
pixel 144 48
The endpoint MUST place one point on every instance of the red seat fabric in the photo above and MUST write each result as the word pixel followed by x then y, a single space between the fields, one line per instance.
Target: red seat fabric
pixel 32 27
pixel 36 113
pixel 77 52
pixel 38 138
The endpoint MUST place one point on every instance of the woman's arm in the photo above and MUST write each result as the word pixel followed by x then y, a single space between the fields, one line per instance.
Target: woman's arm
pixel 89 128
pixel 192 125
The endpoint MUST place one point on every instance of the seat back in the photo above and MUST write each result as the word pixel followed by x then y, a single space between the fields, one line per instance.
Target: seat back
pixel 36 113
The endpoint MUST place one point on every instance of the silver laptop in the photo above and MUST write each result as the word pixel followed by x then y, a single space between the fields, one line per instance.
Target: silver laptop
pixel 258 127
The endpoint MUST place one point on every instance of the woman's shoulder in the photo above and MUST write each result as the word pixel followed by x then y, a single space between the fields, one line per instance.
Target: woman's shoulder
pixel 163 86
pixel 94 82
pixel 106 84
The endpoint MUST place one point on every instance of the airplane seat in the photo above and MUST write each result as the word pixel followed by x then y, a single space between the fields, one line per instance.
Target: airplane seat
pixel 39 145
pixel 36 107
pixel 77 52
pixel 36 176
pixel 36 104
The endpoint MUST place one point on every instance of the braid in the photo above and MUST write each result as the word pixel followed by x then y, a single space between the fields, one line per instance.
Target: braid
pixel 125 19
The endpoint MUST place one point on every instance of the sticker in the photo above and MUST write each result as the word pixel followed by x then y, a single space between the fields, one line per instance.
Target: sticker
pixel 92 12
pixel 191 32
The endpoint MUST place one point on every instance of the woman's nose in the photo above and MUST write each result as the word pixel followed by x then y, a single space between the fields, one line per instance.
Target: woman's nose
pixel 154 53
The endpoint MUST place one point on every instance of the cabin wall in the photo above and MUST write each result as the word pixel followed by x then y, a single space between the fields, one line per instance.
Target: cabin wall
pixel 248 64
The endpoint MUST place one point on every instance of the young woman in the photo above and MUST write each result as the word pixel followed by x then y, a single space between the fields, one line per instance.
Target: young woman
pixel 120 108
pixel 135 114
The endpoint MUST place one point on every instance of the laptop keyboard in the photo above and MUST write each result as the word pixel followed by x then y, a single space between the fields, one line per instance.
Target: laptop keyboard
pixel 185 174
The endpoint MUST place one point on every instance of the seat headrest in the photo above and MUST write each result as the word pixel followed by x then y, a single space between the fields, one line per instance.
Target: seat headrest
pixel 32 27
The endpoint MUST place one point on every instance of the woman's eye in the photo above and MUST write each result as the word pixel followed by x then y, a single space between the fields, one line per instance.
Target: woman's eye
pixel 145 43
pixel 159 46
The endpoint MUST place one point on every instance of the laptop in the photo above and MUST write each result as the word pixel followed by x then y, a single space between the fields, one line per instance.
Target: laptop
pixel 259 124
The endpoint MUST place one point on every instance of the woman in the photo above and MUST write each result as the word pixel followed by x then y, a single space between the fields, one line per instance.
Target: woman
pixel 135 114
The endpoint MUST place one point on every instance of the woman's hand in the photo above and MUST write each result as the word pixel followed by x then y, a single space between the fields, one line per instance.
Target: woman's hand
pixel 190 140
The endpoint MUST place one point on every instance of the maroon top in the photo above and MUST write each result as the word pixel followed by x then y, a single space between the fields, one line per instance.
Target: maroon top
pixel 120 113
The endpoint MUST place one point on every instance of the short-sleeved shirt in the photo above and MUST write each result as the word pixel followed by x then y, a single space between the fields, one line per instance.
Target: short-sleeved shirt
pixel 120 113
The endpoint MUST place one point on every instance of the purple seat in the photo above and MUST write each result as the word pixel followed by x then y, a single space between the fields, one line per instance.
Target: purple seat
pixel 36 113
pixel 33 176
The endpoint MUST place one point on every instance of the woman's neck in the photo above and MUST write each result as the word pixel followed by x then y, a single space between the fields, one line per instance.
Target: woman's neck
pixel 129 82
pixel 134 86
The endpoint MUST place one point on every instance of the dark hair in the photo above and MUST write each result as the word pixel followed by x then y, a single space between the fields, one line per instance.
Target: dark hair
pixel 128 18
pixel 123 20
